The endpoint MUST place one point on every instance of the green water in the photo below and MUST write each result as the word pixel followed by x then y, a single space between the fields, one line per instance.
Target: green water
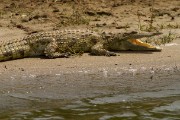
pixel 165 108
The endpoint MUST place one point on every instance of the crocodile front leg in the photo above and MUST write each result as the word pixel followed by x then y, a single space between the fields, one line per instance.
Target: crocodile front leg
pixel 51 50
pixel 98 49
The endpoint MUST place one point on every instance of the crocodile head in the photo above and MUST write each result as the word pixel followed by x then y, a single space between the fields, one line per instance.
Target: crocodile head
pixel 131 41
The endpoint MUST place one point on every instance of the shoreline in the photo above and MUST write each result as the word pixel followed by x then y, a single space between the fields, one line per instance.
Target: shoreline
pixel 132 70
pixel 35 82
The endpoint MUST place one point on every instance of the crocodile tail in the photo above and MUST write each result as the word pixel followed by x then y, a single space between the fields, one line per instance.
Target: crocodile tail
pixel 14 50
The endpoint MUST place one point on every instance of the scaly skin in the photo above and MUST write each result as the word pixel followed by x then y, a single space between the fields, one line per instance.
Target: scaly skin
pixel 63 43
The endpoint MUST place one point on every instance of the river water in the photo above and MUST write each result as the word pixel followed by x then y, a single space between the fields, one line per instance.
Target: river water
pixel 162 103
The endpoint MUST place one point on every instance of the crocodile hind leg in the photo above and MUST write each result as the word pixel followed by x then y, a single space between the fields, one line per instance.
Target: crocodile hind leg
pixel 98 49
pixel 51 50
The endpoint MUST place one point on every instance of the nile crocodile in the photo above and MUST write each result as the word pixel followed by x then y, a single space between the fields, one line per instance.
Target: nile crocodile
pixel 63 43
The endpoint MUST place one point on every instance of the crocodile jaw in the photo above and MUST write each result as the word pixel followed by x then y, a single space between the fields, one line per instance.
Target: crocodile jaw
pixel 143 46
